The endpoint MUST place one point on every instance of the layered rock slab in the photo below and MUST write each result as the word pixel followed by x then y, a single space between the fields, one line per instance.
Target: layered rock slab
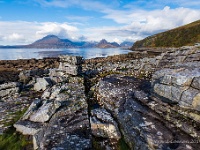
pixel 62 115
pixel 71 64
pixel 180 86
pixel 128 101
pixel 9 89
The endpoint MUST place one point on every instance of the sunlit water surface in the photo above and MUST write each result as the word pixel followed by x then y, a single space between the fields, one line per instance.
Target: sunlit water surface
pixel 13 54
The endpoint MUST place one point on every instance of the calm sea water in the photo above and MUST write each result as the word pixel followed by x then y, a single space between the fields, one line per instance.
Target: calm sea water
pixel 13 54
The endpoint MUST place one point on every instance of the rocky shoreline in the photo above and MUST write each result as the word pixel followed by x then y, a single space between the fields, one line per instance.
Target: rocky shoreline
pixel 143 100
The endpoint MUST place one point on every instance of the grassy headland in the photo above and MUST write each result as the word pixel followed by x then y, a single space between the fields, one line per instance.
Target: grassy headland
pixel 186 35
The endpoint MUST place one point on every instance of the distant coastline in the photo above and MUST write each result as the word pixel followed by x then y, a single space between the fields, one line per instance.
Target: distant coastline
pixel 54 42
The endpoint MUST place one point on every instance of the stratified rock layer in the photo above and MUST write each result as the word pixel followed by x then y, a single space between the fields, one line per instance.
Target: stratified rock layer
pixel 144 120
pixel 63 118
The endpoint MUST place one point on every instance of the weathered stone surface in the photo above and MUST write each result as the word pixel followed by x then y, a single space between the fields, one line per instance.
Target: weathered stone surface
pixel 44 112
pixel 103 125
pixel 42 84
pixel 8 89
pixel 63 117
pixel 189 95
pixel 173 93
pixel 196 102
pixel 33 107
pixel 70 64
pixel 146 123
pixel 10 107
pixel 26 75
pixel 67 130
pixel 74 60
pixel 9 92
pixel 58 76
pixel 163 90
pixel 196 83
pixel 178 85
pixel 9 85
pixel 138 123
pixel 69 127
pixel 27 127
pixel 70 69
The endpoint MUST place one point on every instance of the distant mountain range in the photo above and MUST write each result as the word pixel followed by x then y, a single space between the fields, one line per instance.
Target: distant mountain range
pixel 53 42
pixel 182 36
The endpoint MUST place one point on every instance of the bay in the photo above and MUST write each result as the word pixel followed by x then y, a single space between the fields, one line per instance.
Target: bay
pixel 13 54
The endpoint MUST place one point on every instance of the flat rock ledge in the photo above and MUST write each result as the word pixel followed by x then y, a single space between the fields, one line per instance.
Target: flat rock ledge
pixel 144 119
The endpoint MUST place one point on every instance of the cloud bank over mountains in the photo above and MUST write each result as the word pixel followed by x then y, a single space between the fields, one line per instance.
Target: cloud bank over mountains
pixel 117 21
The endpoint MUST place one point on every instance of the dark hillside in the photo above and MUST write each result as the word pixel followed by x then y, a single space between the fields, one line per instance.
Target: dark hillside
pixel 182 36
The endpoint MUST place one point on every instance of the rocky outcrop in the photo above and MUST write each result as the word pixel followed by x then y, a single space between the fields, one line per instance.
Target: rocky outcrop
pixel 10 69
pixel 180 86
pixel 42 84
pixel 144 66
pixel 104 126
pixel 27 127
pixel 26 75
pixel 145 121
pixel 135 103
pixel 10 109
pixel 70 64
pixel 59 120
pixel 158 114
pixel 116 94
pixel 8 89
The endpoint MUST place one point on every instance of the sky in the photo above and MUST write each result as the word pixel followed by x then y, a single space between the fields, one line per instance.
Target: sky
pixel 25 21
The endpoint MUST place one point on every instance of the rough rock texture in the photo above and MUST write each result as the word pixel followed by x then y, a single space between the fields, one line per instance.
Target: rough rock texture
pixel 10 69
pixel 71 64
pixel 63 117
pixel 42 84
pixel 44 112
pixel 126 111
pixel 74 60
pixel 143 64
pixel 179 86
pixel 142 125
pixel 71 69
pixel 8 89
pixel 26 75
pixel 27 127
pixel 104 126
pixel 9 109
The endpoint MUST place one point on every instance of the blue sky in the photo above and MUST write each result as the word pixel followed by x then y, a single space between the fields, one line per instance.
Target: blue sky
pixel 24 21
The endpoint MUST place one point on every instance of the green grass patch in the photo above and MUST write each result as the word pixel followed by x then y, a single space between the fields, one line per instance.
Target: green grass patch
pixel 186 35
pixel 122 145
pixel 11 140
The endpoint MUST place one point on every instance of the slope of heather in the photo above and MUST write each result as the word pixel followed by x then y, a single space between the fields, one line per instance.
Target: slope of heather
pixel 182 36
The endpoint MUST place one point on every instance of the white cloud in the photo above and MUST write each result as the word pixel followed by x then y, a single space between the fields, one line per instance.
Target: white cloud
pixel 13 37
pixel 140 23
pixel 22 32
pixel 63 30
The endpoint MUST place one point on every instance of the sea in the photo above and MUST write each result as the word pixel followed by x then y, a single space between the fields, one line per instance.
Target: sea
pixel 86 53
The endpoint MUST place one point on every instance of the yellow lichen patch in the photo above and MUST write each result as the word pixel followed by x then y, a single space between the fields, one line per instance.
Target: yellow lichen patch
pixel 195 117
pixel 196 101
